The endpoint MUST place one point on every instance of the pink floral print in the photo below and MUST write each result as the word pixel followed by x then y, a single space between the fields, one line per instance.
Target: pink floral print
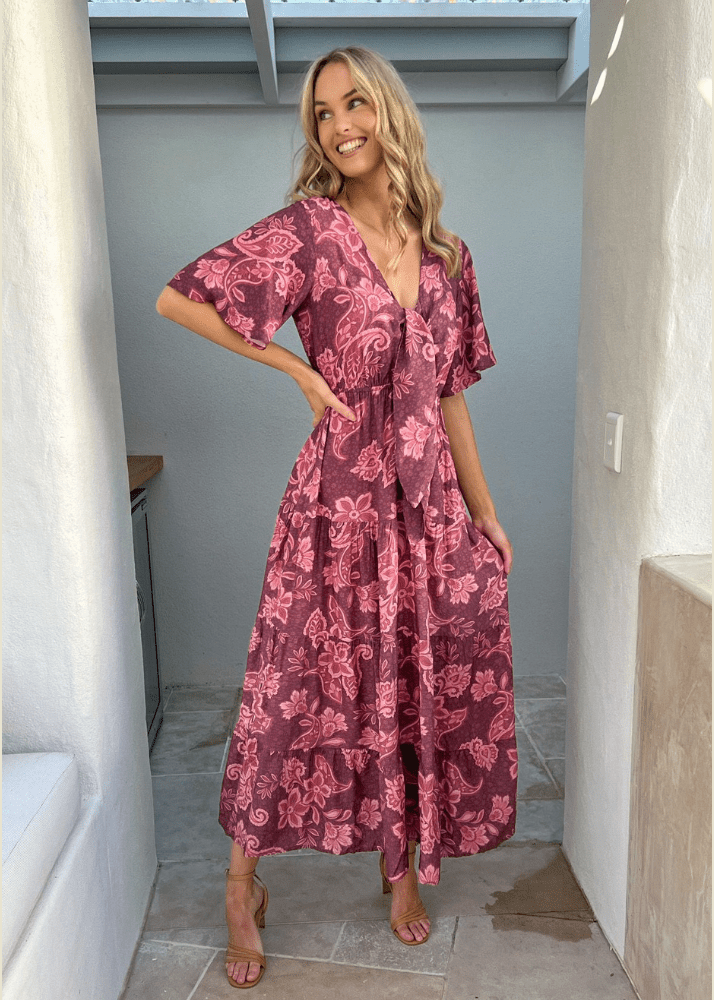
pixel 378 695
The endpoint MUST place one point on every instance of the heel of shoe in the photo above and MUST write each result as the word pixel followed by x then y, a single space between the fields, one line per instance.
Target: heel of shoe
pixel 386 884
pixel 260 915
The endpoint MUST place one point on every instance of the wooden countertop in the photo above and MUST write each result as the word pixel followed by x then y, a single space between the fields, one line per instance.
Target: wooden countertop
pixel 142 468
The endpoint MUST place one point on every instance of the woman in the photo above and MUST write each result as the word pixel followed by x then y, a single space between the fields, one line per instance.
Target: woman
pixel 378 697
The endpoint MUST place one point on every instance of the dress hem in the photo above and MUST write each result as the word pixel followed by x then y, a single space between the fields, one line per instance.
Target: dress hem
pixel 507 834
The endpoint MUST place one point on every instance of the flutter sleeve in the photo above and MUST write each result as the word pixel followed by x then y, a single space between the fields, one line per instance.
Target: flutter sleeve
pixel 473 349
pixel 258 279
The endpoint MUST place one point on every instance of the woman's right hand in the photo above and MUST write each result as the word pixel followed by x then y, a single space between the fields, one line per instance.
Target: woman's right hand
pixel 320 396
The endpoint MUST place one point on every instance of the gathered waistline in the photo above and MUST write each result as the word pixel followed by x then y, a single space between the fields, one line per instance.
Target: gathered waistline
pixel 366 388
pixel 361 390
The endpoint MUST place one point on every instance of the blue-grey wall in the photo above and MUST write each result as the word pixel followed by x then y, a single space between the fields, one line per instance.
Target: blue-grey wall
pixel 178 182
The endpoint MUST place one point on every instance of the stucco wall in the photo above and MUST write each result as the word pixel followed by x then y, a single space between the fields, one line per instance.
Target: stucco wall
pixel 72 669
pixel 644 351
pixel 177 183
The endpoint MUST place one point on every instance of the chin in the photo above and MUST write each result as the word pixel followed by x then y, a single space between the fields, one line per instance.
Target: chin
pixel 354 172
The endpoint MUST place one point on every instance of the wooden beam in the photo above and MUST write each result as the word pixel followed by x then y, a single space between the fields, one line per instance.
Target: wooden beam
pixel 167 15
pixel 573 74
pixel 433 49
pixel 422 15
pixel 243 90
pixel 219 49
pixel 461 53
pixel 173 50
pixel 261 28
pixel 345 15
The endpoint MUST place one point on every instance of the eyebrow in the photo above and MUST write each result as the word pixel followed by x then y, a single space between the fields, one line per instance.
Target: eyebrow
pixel 344 96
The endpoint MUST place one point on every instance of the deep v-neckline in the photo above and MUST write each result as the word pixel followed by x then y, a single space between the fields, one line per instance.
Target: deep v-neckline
pixel 378 270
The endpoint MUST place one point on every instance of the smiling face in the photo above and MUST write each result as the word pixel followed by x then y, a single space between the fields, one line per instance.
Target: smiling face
pixel 346 123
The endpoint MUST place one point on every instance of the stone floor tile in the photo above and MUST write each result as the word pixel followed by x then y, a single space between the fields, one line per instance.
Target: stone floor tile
pixel 202 699
pixel 556 766
pixel 166 971
pixel 371 943
pixel 302 888
pixel 549 890
pixel 308 887
pixel 297 980
pixel 538 686
pixel 304 941
pixel 191 742
pixel 544 720
pixel 188 894
pixel 186 818
pixel 519 957
pixel 539 819
pixel 206 937
pixel 534 781
pixel 468 885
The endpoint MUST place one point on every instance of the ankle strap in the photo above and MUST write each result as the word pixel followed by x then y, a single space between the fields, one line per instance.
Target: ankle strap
pixel 244 876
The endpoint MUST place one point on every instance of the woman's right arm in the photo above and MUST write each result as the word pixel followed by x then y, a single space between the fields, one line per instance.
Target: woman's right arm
pixel 202 318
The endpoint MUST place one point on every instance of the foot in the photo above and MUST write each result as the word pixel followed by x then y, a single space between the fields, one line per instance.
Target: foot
pixel 405 895
pixel 243 900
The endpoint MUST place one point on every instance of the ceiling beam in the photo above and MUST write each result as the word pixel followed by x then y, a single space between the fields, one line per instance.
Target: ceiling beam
pixel 261 28
pixel 173 50
pixel 573 74
pixel 463 52
pixel 431 49
pixel 345 15
pixel 426 15
pixel 243 90
pixel 291 50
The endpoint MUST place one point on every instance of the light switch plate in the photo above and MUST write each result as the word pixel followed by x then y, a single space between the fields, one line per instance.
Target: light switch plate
pixel 613 441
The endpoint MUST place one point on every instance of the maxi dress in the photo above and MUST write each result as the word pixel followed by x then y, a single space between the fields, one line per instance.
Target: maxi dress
pixel 378 694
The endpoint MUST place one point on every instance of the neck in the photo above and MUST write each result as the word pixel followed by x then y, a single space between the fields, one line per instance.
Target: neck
pixel 368 197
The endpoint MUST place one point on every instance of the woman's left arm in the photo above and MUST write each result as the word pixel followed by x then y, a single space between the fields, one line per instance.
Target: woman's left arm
pixel 472 481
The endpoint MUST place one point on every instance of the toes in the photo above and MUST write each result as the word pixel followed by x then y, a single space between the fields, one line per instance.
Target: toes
pixel 237 972
pixel 243 973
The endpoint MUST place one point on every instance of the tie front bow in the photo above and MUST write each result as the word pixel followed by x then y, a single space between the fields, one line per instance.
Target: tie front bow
pixel 415 408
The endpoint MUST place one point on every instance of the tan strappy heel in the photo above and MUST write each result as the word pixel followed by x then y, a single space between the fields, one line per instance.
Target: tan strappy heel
pixel 235 953
pixel 417 912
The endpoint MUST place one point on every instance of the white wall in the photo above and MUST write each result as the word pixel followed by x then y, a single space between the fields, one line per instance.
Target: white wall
pixel 72 668
pixel 644 351
pixel 180 181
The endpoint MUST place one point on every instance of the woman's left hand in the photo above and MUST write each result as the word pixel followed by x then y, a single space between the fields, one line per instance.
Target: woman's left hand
pixel 490 527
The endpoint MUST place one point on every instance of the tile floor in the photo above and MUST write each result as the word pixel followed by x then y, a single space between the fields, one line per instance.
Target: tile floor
pixel 510 924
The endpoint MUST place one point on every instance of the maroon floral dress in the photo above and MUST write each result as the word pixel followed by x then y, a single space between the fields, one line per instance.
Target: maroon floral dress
pixel 378 695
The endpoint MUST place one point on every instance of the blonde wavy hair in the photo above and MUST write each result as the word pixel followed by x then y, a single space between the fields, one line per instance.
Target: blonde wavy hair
pixel 400 133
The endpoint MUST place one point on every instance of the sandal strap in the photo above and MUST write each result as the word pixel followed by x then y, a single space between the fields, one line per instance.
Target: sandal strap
pixel 417 912
pixel 234 953
pixel 256 876
pixel 245 875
